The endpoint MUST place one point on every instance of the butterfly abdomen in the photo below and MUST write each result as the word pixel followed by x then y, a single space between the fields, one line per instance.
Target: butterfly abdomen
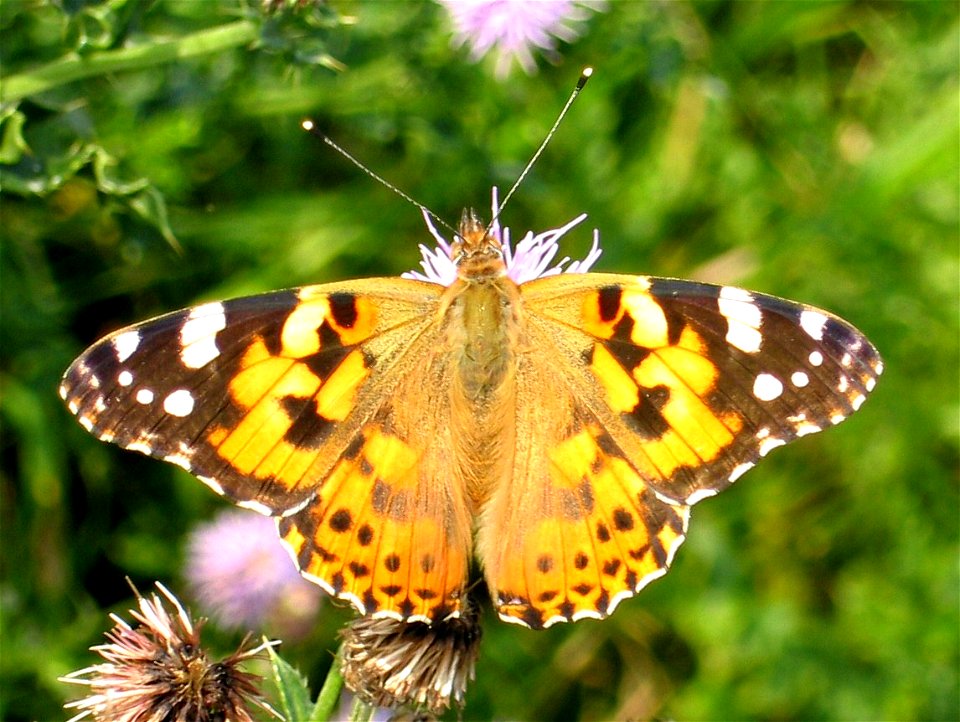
pixel 482 327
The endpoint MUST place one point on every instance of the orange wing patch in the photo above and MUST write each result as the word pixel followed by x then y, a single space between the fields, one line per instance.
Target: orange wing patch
pixel 602 539
pixel 287 398
pixel 371 537
pixel 658 377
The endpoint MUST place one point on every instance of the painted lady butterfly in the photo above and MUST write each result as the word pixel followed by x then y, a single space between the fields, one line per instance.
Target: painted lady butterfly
pixel 557 427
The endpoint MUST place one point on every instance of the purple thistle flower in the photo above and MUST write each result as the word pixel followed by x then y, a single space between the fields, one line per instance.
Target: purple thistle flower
pixel 243 576
pixel 515 27
pixel 530 259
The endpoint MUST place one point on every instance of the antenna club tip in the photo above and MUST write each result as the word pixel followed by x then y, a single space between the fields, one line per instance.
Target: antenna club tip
pixel 584 77
pixel 307 124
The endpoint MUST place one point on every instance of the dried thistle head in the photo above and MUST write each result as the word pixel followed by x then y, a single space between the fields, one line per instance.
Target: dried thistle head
pixel 157 671
pixel 390 663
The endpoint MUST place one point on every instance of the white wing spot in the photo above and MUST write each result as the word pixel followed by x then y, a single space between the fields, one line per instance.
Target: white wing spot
pixel 256 506
pixel 99 404
pixel 141 445
pixel 212 483
pixel 763 433
pixel 125 344
pixel 330 590
pixel 85 423
pixel 740 470
pixel 857 401
pixel 63 391
pixel 74 407
pixel 813 322
pixel 743 337
pixel 815 358
pixel 583 614
pixel 805 429
pixel 768 445
pixel 652 576
pixel 144 396
pixel 699 495
pixel 672 551
pixel 837 418
pixel 846 360
pixel 767 387
pixel 94 381
pixel 743 318
pixel 182 461
pixel 198 337
pixel 294 509
pixel 870 384
pixel 124 378
pixel 799 379
pixel 879 368
pixel 178 403
pixel 732 293
pixel 843 384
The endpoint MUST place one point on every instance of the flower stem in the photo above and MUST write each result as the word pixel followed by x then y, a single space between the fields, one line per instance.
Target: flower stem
pixel 329 696
pixel 75 67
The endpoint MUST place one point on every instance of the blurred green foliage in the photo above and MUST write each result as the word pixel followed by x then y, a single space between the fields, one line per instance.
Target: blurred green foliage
pixel 151 158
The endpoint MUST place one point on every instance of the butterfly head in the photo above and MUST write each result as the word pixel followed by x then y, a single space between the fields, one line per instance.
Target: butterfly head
pixel 477 253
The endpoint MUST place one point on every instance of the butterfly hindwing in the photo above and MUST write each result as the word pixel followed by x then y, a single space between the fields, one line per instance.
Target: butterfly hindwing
pixel 574 529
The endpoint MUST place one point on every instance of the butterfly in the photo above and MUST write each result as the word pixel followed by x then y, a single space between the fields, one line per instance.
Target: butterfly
pixel 554 427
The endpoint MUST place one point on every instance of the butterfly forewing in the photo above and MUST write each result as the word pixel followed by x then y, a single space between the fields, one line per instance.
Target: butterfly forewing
pixel 696 382
pixel 246 394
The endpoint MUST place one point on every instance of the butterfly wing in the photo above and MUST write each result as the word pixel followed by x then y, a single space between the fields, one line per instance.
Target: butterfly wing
pixel 391 530
pixel 574 528
pixel 669 391
pixel 278 402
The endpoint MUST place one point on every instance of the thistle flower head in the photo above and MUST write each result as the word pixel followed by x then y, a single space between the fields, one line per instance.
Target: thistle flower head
pixel 531 257
pixel 157 671
pixel 242 575
pixel 515 28
pixel 389 663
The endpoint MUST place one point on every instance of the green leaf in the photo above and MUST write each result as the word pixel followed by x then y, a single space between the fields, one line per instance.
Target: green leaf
pixel 12 144
pixel 295 704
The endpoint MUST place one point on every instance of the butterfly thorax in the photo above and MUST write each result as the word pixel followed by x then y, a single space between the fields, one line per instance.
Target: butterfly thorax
pixel 481 306
pixel 482 323
pixel 478 255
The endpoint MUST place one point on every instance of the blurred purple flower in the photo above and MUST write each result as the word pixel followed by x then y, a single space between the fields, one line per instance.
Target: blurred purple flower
pixel 530 259
pixel 243 576
pixel 515 27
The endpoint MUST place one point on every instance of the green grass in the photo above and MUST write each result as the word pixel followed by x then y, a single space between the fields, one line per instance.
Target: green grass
pixel 809 150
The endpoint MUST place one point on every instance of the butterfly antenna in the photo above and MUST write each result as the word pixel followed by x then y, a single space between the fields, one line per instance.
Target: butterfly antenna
pixel 311 127
pixel 584 77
